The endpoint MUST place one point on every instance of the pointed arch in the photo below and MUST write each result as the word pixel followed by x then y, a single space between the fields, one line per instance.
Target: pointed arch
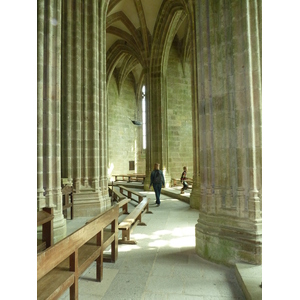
pixel 117 53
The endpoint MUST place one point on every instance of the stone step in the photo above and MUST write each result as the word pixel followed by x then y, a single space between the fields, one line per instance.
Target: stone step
pixel 250 278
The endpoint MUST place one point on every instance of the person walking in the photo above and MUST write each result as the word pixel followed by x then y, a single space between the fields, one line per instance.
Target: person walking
pixel 157 179
pixel 183 180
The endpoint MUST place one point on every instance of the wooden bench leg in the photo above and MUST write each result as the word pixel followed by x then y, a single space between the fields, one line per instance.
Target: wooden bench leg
pixel 125 209
pixel 142 224
pixel 47 229
pixel 147 210
pixel 126 235
pixel 71 206
pixel 74 268
pixel 139 218
pixel 126 238
pixel 99 260
pixel 99 267
pixel 114 244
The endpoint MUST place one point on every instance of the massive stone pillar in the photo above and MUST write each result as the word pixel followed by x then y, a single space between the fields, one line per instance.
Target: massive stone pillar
pixel 171 16
pixel 41 202
pixel 103 105
pixel 49 106
pixel 157 107
pixel 84 124
pixel 196 94
pixel 229 120
pixel 149 161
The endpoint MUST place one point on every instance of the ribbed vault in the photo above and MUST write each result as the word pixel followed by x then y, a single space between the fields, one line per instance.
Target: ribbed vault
pixel 131 27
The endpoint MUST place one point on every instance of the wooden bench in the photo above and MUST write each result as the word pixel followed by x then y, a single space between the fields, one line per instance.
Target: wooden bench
pixel 45 219
pixel 130 193
pixel 136 177
pixel 143 177
pixel 176 181
pixel 67 198
pixel 115 194
pixel 59 266
pixel 132 220
pixel 120 199
pixel 130 177
pixel 123 204
pixel 122 176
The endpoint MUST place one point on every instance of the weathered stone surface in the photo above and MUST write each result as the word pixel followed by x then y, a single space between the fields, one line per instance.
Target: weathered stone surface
pixel 203 111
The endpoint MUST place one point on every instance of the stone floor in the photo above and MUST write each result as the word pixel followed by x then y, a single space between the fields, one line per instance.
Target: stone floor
pixel 163 264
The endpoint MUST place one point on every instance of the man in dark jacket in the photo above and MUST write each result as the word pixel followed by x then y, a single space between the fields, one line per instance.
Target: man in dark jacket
pixel 157 179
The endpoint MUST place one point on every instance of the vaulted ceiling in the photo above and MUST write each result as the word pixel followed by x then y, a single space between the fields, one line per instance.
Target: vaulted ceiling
pixel 131 28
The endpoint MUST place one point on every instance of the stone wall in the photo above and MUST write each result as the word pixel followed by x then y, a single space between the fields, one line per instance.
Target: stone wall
pixel 179 116
pixel 124 138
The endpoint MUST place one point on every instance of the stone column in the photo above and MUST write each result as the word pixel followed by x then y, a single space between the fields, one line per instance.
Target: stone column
pixel 253 77
pixel 156 147
pixel 84 105
pixel 163 36
pixel 229 80
pixel 199 195
pixel 69 96
pixel 41 202
pixel 49 82
pixel 195 56
pixel 76 133
pixel 72 90
pixel 149 164
pixel 103 130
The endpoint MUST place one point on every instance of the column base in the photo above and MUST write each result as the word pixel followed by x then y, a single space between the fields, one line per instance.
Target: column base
pixel 230 241
pixel 195 197
pixel 59 228
pixel 89 204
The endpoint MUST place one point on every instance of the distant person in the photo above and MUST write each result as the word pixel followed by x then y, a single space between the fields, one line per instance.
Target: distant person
pixel 157 179
pixel 183 179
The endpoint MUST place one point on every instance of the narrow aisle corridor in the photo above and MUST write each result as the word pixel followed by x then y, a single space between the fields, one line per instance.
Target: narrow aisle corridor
pixel 163 264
